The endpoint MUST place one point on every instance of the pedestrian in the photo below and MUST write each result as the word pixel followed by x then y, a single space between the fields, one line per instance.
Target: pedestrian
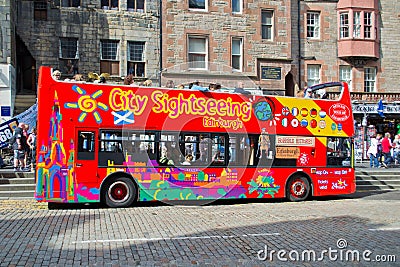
pixel 386 147
pixel 373 153
pixel 379 154
pixel 19 148
pixel 32 145
pixel 396 148
pixel 25 132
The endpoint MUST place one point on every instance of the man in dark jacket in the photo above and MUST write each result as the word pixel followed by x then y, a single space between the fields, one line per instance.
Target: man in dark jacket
pixel 19 147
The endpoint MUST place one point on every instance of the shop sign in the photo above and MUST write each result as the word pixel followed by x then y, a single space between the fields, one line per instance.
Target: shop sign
pixel 373 108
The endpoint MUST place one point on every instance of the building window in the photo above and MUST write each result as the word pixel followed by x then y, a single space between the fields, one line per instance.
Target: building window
pixel 109 4
pixel 266 24
pixel 345 75
pixel 344 25
pixel 136 5
pixel 237 51
pixel 367 25
pixel 369 79
pixel 69 48
pixel 198 4
pixel 313 76
pixel 237 6
pixel 109 57
pixel 357 24
pixel 40 9
pixel 197 52
pixel 71 3
pixel 313 25
pixel 136 62
pixel 69 55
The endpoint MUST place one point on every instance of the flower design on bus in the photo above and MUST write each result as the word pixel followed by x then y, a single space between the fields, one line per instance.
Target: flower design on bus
pixel 303 159
pixel 87 104
pixel 264 184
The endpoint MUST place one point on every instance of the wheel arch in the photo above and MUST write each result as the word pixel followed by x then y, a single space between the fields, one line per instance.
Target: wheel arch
pixel 115 175
pixel 302 174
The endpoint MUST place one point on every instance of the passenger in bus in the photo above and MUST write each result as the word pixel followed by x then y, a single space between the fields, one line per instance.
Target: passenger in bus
pixel 240 89
pixel 57 75
pixel 309 93
pixel 128 80
pixel 196 86
pixel 170 84
pixel 204 144
pixel 188 160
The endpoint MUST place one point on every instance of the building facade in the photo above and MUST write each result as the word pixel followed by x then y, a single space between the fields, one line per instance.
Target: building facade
pixel 82 36
pixel 7 59
pixel 270 45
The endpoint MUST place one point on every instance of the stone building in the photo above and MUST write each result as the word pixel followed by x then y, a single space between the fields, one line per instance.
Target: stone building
pixel 7 58
pixel 228 41
pixel 276 46
pixel 81 36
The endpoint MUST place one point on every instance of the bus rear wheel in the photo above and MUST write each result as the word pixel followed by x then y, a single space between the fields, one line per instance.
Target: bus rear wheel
pixel 298 189
pixel 119 192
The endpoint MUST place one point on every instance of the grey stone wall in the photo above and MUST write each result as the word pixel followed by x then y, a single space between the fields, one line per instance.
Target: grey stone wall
pixel 90 25
pixel 7 24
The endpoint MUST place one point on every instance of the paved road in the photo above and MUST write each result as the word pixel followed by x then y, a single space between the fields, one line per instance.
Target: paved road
pixel 222 234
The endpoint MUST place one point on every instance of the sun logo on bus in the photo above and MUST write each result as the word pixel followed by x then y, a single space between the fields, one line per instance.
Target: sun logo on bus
pixel 87 104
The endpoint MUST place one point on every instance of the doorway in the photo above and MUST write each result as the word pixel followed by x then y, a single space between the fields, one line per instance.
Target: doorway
pixel 26 69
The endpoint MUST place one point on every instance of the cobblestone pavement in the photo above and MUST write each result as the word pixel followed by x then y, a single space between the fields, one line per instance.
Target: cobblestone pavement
pixel 222 234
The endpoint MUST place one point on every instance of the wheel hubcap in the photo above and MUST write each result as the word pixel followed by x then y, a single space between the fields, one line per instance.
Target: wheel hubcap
pixel 118 192
pixel 298 188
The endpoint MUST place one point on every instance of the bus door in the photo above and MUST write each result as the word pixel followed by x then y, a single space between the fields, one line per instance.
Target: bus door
pixel 86 154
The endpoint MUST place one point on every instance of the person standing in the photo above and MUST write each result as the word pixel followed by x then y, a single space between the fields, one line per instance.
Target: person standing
pixel 32 144
pixel 19 148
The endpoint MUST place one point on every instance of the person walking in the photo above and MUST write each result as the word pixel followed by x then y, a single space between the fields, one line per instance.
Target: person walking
pixel 386 147
pixel 373 153
pixel 396 148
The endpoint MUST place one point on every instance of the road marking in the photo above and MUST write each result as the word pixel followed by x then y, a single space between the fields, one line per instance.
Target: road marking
pixel 386 229
pixel 173 238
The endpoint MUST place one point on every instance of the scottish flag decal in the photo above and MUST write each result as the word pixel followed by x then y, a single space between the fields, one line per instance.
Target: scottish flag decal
pixel 123 117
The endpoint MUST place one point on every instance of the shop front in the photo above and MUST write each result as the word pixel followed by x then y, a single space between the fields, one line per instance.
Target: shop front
pixel 369 122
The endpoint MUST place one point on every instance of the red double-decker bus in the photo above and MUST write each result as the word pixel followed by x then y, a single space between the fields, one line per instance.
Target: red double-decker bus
pixel 121 144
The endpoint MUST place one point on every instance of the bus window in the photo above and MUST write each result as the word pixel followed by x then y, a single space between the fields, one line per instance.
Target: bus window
pixel 140 147
pixel 169 152
pixel 218 149
pixel 86 146
pixel 338 151
pixel 111 148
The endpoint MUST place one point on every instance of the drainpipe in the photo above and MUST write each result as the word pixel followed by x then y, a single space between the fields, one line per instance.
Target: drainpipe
pixel 161 42
pixel 299 38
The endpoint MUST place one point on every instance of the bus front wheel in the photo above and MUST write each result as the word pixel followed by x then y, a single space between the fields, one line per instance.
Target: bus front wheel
pixel 119 192
pixel 298 189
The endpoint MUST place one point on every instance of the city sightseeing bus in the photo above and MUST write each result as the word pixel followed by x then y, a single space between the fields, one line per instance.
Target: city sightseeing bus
pixel 119 144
